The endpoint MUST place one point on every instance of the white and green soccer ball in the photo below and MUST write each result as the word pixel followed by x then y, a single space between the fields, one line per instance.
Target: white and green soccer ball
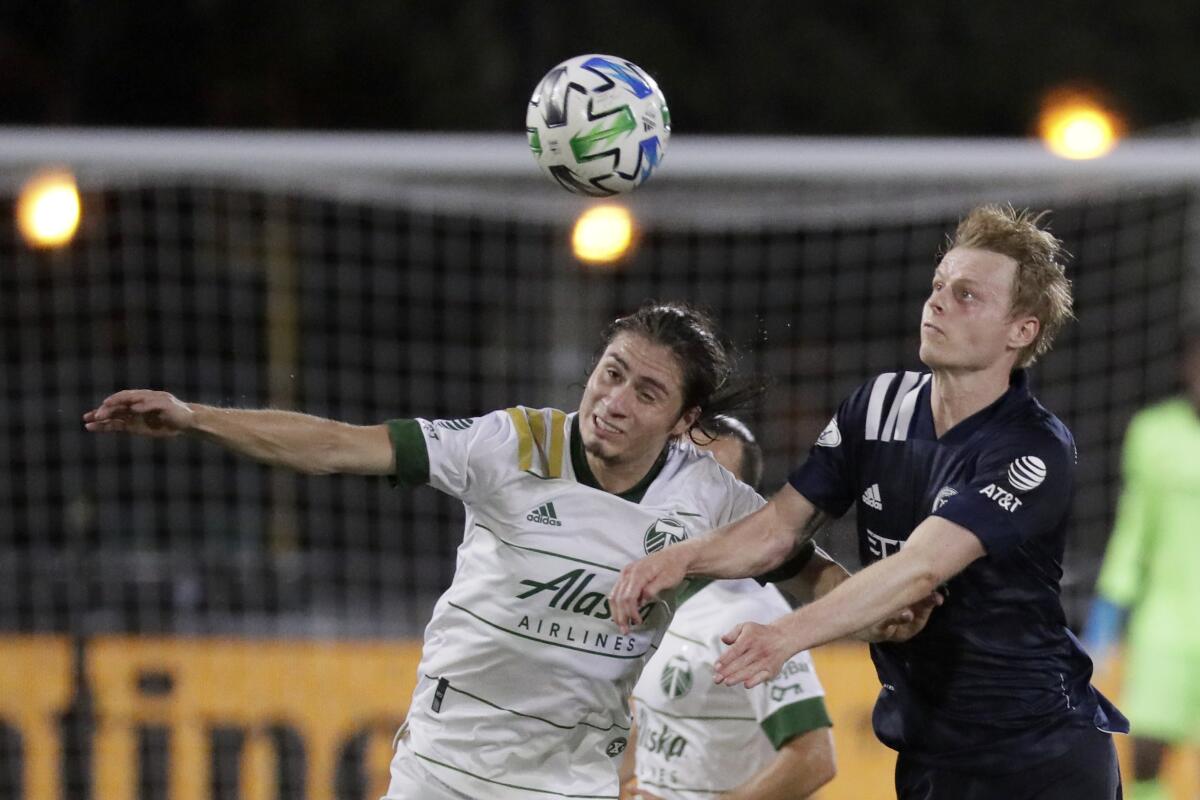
pixel 598 125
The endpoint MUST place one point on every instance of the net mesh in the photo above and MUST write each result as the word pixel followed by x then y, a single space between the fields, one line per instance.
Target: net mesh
pixel 236 294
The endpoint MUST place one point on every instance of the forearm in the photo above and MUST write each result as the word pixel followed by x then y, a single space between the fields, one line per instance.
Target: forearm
pixel 758 543
pixel 301 442
pixel 852 604
pixel 800 768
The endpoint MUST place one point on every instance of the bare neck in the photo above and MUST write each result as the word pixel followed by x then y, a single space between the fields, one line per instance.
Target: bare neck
pixel 956 395
pixel 618 478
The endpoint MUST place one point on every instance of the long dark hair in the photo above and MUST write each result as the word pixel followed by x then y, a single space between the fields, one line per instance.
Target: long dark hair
pixel 708 360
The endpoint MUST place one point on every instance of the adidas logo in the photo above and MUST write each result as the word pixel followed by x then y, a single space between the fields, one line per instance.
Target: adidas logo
pixel 871 497
pixel 544 514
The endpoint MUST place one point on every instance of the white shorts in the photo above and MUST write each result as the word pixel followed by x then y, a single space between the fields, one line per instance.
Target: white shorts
pixel 410 779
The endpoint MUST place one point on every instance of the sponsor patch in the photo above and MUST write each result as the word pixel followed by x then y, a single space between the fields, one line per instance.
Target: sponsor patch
pixel 1026 473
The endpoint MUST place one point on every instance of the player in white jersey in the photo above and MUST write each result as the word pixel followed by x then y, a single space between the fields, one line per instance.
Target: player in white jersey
pixel 524 678
pixel 696 739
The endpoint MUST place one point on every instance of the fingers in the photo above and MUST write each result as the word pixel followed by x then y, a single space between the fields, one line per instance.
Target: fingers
pixel 731 636
pixel 626 598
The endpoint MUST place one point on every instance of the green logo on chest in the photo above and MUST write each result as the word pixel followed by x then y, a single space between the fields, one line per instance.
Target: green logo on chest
pixel 676 678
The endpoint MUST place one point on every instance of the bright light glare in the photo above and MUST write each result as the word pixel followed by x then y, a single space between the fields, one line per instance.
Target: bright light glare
pixel 1078 128
pixel 48 209
pixel 602 234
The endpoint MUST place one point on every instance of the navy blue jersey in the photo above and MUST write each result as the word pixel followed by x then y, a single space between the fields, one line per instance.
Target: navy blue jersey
pixel 996 680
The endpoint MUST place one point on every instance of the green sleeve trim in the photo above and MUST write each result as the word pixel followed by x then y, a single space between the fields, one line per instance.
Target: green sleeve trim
pixel 690 589
pixel 792 720
pixel 412 455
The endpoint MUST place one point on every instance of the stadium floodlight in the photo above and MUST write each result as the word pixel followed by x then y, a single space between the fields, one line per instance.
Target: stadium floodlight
pixel 48 209
pixel 1074 125
pixel 602 234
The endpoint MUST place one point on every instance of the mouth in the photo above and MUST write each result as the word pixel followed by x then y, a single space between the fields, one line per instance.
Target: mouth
pixel 602 427
pixel 932 327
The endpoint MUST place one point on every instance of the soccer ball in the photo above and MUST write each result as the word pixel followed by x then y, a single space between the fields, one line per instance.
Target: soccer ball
pixel 598 125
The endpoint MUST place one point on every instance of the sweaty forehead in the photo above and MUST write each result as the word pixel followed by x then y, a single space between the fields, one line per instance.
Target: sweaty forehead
pixel 646 359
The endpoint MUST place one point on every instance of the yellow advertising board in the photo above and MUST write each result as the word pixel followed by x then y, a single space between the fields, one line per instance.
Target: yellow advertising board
pixel 328 694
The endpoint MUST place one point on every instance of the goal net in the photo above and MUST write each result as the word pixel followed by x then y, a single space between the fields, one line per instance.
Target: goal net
pixel 371 277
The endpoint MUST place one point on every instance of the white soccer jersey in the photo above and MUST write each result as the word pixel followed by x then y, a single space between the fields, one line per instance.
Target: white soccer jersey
pixel 697 738
pixel 524 677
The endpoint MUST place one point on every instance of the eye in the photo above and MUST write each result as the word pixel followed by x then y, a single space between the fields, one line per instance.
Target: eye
pixel 967 294
pixel 646 397
pixel 937 285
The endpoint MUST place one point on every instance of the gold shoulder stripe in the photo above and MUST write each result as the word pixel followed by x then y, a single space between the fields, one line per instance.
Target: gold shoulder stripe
pixel 537 423
pixel 558 438
pixel 524 438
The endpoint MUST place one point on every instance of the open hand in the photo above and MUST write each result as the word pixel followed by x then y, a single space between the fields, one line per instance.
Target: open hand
pixel 756 654
pixel 144 412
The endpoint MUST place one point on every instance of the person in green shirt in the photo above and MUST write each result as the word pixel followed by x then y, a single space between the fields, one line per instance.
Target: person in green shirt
pixel 1148 590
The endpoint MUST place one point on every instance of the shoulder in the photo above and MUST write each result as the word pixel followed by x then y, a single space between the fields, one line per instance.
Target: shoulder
pixel 689 466
pixel 872 409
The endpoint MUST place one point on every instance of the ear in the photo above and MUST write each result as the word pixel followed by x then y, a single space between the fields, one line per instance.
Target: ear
pixel 686 420
pixel 1022 332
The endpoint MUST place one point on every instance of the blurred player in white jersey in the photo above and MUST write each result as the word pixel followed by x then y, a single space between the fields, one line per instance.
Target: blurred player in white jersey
pixel 697 739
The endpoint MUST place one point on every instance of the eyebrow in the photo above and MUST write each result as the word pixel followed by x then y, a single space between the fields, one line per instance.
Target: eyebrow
pixel 640 378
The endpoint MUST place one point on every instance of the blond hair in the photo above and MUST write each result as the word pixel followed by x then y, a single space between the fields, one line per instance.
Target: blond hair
pixel 1040 288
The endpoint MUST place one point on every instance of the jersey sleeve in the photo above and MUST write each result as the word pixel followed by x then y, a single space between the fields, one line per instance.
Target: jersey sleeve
pixel 461 457
pixel 826 477
pixel 793 703
pixel 1022 485
pixel 1120 578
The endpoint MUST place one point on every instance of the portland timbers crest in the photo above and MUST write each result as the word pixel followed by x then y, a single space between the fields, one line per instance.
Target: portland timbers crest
pixel 676 678
pixel 662 533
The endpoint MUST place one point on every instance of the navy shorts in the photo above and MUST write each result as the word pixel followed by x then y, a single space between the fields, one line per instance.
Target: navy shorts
pixel 1088 770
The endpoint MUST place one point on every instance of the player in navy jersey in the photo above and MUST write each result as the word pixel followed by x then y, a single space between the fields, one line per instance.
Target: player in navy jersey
pixel 963 483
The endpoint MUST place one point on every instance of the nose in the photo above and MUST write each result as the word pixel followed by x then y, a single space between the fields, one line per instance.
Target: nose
pixel 935 302
pixel 616 401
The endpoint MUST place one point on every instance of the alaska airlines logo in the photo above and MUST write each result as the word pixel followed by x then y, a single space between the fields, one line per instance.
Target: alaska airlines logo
pixel 567 593
pixel 663 533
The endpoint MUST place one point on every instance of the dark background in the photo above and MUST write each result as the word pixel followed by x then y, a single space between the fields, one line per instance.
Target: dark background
pixel 917 68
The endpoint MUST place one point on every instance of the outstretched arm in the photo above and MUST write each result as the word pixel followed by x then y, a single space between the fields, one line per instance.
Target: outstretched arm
pixel 304 443
pixel 937 551
pixel 751 546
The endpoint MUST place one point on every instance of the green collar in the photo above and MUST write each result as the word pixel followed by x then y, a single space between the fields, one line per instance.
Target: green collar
pixel 583 472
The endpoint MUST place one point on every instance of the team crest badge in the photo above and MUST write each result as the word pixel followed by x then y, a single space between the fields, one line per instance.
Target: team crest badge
pixel 943 496
pixel 831 436
pixel 676 678
pixel 663 533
